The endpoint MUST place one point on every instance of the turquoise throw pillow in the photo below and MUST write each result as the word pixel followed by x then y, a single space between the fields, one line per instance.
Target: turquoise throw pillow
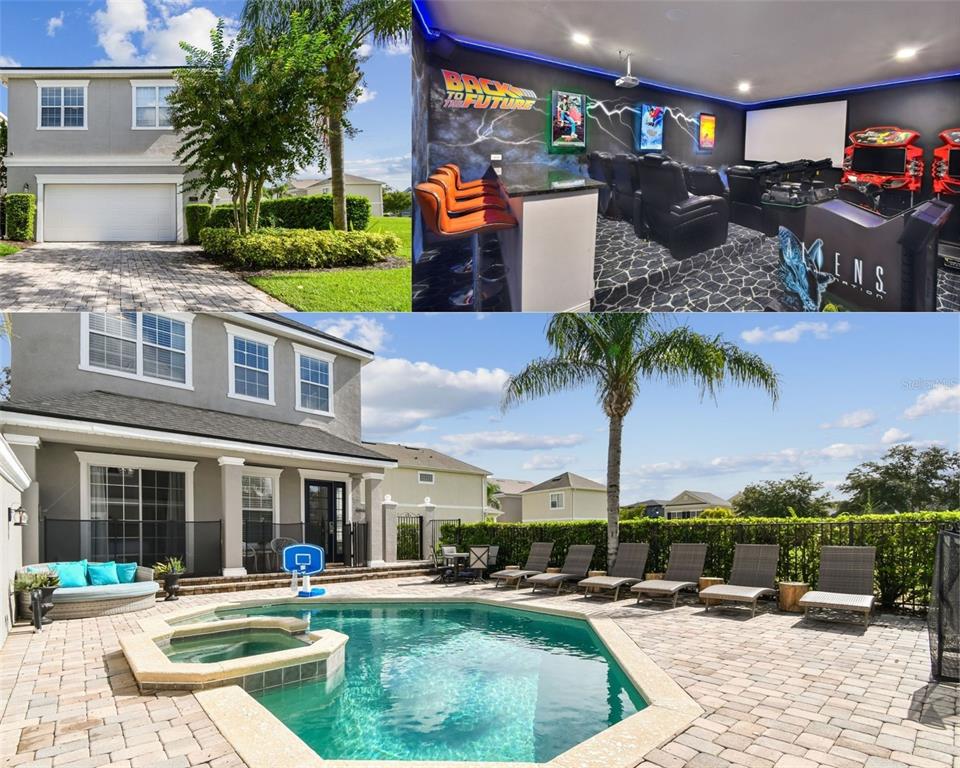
pixel 102 573
pixel 127 572
pixel 71 574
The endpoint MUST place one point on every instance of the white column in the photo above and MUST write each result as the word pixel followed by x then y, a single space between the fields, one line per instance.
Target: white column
pixel 376 515
pixel 231 514
pixel 25 448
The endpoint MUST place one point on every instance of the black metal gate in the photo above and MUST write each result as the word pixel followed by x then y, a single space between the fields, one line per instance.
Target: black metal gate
pixel 443 532
pixel 409 537
pixel 355 545
pixel 943 618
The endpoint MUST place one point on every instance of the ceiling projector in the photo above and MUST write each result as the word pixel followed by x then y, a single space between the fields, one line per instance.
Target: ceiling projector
pixel 627 80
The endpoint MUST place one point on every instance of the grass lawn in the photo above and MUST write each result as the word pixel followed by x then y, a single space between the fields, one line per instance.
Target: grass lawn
pixel 6 249
pixel 396 225
pixel 345 290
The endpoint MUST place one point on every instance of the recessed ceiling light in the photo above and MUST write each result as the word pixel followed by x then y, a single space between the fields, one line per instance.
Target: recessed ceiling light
pixel 907 52
pixel 743 86
pixel 580 39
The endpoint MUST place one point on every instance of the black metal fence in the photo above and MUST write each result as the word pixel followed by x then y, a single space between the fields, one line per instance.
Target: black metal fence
pixel 435 533
pixel 409 537
pixel 356 545
pixel 263 543
pixel 905 547
pixel 145 542
pixel 943 618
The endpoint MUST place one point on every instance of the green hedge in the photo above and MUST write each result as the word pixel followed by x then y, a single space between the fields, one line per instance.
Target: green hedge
pixel 905 544
pixel 198 214
pixel 21 215
pixel 308 212
pixel 298 248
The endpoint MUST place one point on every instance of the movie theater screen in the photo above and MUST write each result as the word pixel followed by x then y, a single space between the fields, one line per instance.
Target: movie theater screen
pixel 810 131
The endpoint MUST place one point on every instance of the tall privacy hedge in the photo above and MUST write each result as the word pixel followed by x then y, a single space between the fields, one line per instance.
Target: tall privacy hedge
pixel 20 211
pixel 198 214
pixel 307 212
pixel 905 544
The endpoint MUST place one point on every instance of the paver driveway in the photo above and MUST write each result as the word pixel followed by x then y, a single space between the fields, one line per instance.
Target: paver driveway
pixel 112 276
pixel 777 692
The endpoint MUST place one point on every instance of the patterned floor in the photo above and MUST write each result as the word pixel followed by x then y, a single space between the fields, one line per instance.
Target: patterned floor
pixel 440 285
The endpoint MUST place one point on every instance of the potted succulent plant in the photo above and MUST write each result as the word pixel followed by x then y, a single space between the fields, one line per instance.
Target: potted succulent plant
pixel 41 586
pixel 170 569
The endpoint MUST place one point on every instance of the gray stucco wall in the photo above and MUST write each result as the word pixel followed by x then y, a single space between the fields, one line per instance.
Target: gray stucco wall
pixel 46 358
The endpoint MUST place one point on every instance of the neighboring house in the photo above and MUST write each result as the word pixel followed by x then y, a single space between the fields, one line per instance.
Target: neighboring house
pixel 565 497
pixel 203 436
pixel 685 505
pixel 14 482
pixel 510 499
pixel 652 507
pixel 353 185
pixel 432 486
pixel 96 147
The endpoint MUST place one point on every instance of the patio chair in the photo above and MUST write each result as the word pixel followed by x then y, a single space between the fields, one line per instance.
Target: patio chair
pixel 752 576
pixel 537 562
pixel 574 568
pixel 684 569
pixel 626 570
pixel 845 583
pixel 443 563
pixel 277 546
pixel 477 563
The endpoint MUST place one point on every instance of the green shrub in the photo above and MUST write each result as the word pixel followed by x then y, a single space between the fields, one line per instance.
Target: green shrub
pixel 197 216
pixel 307 212
pixel 904 542
pixel 21 215
pixel 298 248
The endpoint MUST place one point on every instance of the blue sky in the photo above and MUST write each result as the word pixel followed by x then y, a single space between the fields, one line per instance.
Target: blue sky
pixel 852 385
pixel 88 32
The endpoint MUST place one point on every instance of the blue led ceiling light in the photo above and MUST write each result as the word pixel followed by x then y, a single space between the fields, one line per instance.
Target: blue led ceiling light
pixel 434 33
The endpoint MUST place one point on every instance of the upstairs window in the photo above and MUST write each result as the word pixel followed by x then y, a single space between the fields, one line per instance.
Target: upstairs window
pixel 556 500
pixel 425 478
pixel 150 108
pixel 314 380
pixel 62 105
pixel 145 346
pixel 251 364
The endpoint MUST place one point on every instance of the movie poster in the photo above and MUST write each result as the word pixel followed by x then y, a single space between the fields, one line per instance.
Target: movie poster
pixel 568 122
pixel 648 128
pixel 708 132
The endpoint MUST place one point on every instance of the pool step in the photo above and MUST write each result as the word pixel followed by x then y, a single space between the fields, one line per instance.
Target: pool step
pixel 212 584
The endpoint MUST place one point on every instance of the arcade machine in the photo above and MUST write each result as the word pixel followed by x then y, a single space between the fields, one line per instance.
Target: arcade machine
pixel 882 169
pixel 946 186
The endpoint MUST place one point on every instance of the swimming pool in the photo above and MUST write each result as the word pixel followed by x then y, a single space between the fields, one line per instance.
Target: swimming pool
pixel 453 681
pixel 234 644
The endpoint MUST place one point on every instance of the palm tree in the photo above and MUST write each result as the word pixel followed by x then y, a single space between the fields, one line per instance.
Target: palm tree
pixel 349 24
pixel 614 352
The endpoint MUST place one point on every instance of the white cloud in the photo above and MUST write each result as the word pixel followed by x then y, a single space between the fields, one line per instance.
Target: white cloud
pixel 400 394
pixel 894 435
pixel 940 399
pixel 793 334
pixel 853 420
pixel 116 24
pixel 6 61
pixel 365 50
pixel 504 440
pixel 53 24
pixel 366 95
pixel 549 461
pixel 368 332
pixel 397 48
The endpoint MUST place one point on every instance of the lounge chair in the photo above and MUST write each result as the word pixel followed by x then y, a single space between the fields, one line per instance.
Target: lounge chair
pixel 846 581
pixel 752 576
pixel 684 570
pixel 537 562
pixel 627 569
pixel 574 568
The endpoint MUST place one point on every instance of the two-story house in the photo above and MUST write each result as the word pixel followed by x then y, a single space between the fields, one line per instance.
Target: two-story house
pixel 203 436
pixel 567 496
pixel 95 145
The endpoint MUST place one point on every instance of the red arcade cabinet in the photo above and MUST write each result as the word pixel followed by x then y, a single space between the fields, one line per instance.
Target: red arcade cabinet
pixel 885 162
pixel 946 185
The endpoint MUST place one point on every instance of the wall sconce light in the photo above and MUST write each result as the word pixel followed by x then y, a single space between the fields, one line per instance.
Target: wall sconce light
pixel 17 516
pixel 26 186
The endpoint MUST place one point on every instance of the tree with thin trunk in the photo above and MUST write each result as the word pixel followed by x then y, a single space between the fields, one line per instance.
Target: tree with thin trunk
pixel 615 352
pixel 349 25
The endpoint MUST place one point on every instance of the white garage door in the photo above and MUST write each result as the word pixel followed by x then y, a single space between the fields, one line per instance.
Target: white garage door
pixel 119 212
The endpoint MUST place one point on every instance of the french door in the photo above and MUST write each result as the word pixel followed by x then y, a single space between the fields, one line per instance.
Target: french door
pixel 325 509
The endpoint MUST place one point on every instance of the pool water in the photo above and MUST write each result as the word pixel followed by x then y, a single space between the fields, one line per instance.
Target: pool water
pixel 454 682
pixel 234 644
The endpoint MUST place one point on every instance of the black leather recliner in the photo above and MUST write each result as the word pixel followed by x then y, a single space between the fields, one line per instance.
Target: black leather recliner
pixel 685 223
pixel 746 191
pixel 600 168
pixel 624 184
pixel 705 180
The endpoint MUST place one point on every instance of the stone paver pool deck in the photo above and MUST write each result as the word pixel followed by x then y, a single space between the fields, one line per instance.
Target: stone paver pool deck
pixel 776 691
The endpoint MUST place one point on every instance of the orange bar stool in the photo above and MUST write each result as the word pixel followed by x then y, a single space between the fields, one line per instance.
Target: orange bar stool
pixel 431 197
pixel 445 177
pixel 464 186
pixel 458 205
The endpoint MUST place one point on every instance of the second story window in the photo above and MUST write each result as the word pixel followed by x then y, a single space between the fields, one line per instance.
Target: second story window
pixel 556 500
pixel 251 365
pixel 145 346
pixel 314 380
pixel 425 478
pixel 62 105
pixel 150 108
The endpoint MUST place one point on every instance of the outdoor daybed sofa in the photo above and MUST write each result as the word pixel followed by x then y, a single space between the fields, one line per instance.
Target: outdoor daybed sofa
pixel 845 582
pixel 627 569
pixel 752 576
pixel 98 600
pixel 684 569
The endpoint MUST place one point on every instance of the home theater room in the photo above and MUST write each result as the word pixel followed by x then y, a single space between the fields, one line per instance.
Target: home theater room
pixel 707 155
